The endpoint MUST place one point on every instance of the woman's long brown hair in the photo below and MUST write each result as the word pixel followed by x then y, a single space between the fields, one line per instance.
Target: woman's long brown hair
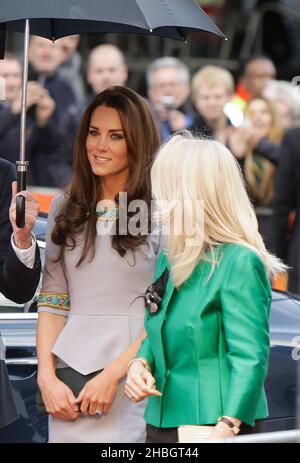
pixel 78 212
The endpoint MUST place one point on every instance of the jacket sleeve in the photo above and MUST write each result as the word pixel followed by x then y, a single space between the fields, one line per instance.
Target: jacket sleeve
pixel 268 150
pixel 7 121
pixel 245 306
pixel 17 282
pixel 56 136
pixel 8 175
pixel 145 349
pixel 54 296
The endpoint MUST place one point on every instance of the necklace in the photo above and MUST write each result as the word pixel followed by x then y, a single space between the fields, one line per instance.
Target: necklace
pixel 106 213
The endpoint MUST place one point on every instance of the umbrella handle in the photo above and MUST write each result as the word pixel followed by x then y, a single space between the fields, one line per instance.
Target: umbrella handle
pixel 20 200
pixel 20 213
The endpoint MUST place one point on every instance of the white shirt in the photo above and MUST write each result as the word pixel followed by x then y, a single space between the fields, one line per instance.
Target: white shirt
pixel 26 256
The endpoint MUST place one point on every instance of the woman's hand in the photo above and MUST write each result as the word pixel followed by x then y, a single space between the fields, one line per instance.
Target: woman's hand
pixel 99 393
pixel 140 383
pixel 222 429
pixel 59 400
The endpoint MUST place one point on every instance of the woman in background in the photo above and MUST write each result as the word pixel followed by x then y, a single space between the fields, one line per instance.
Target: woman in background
pixel 263 118
pixel 205 358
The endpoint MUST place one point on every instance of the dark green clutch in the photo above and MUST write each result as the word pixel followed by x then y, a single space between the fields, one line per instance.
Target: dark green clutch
pixel 72 378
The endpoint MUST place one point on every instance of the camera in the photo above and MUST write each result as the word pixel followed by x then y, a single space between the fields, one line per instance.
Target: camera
pixel 168 102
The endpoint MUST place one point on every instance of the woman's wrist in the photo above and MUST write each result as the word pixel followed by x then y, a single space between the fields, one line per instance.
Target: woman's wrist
pixel 117 370
pixel 235 421
pixel 232 423
pixel 23 242
pixel 223 430
pixel 44 377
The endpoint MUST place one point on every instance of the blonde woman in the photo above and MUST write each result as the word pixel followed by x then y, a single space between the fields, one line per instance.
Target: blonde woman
pixel 205 358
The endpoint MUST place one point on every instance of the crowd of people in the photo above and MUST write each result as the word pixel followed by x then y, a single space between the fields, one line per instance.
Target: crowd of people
pixel 256 118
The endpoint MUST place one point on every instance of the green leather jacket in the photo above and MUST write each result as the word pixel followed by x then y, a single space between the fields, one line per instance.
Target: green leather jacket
pixel 208 345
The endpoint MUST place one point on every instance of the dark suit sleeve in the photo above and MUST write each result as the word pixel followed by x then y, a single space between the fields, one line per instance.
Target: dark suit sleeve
pixel 269 151
pixel 17 282
pixel 7 176
pixel 7 121
pixel 285 192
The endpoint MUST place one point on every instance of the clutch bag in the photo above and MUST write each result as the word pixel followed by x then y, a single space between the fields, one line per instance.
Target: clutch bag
pixel 72 378
pixel 191 434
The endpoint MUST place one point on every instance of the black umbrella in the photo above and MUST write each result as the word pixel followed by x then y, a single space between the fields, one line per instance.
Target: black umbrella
pixel 54 19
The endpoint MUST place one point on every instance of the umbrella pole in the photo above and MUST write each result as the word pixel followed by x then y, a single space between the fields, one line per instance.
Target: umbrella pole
pixel 22 164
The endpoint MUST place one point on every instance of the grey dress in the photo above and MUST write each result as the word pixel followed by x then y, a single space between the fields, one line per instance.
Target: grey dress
pixel 101 322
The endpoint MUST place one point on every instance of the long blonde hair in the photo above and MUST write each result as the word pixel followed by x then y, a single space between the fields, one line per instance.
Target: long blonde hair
pixel 188 170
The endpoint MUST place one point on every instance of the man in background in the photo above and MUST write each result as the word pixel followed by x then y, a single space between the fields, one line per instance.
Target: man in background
pixel 168 82
pixel 51 163
pixel 255 74
pixel 70 69
pixel 106 68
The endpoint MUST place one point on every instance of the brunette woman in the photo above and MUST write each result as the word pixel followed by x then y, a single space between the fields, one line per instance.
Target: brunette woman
pixel 88 322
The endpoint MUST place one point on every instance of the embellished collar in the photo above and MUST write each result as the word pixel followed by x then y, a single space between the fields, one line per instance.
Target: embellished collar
pixel 106 212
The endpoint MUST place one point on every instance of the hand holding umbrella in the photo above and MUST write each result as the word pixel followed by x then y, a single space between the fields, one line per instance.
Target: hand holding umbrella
pixel 22 236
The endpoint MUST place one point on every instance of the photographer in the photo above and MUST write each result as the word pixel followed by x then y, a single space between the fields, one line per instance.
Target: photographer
pixel 10 110
pixel 46 133
pixel 168 82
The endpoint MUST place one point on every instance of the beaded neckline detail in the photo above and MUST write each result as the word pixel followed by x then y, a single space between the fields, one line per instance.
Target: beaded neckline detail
pixel 106 212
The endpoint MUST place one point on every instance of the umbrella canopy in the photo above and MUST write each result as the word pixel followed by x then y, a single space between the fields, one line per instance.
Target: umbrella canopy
pixel 53 19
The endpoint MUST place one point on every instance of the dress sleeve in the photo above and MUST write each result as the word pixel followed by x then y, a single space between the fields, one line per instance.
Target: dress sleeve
pixel 54 295
pixel 245 306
